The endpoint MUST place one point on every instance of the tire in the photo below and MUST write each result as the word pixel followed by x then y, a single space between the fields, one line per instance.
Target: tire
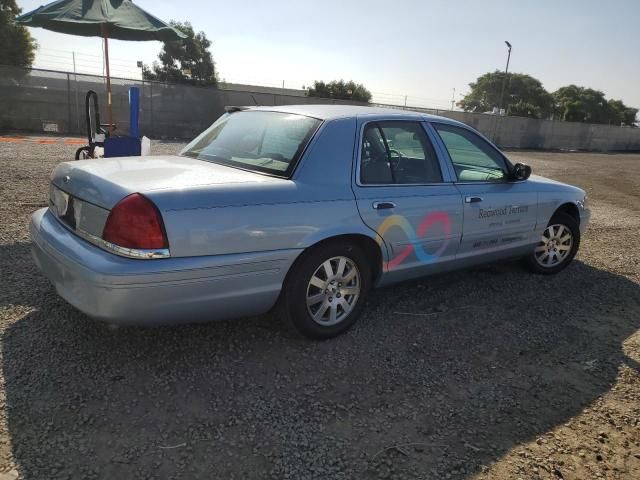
pixel 83 153
pixel 558 246
pixel 331 310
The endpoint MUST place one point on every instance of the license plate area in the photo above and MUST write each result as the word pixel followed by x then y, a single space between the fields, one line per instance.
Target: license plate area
pixel 59 201
pixel 65 207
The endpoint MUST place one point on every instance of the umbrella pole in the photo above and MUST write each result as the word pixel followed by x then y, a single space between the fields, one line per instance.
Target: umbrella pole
pixel 106 60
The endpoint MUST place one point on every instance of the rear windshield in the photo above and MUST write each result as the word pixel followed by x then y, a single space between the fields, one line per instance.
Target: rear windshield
pixel 269 142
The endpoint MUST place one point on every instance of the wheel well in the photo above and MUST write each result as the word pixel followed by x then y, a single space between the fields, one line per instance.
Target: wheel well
pixel 367 244
pixel 570 209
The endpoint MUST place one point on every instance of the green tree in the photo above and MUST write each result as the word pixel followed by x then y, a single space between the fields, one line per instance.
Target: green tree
pixel 18 46
pixel 523 95
pixel 621 114
pixel 339 89
pixel 580 104
pixel 186 61
pixel 525 109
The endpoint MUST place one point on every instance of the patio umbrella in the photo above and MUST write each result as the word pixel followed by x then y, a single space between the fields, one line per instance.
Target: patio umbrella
pixel 119 19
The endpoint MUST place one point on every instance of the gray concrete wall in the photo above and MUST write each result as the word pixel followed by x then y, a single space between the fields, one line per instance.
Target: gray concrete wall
pixel 30 99
pixel 529 133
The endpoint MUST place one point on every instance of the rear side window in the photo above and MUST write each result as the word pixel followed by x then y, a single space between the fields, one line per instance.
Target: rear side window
pixel 269 142
pixel 472 157
pixel 397 152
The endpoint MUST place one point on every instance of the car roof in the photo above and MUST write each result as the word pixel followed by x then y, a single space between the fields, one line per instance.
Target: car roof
pixel 332 111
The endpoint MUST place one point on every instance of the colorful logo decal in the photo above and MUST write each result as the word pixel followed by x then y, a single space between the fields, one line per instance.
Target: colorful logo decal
pixel 415 237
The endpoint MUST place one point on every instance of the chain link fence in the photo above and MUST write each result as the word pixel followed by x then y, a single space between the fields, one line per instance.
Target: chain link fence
pixel 46 100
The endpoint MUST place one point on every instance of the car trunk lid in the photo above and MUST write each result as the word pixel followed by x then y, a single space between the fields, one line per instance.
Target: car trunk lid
pixel 83 193
pixel 104 182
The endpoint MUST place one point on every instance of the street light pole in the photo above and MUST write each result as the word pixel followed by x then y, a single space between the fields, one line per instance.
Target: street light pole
pixel 504 80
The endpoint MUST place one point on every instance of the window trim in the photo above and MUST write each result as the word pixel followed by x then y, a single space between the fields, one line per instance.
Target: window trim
pixel 444 171
pixel 445 151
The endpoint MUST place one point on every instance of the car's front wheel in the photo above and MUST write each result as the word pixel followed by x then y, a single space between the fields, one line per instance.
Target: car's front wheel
pixel 325 292
pixel 558 245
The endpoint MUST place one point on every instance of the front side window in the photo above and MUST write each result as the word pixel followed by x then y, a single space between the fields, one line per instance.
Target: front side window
pixel 397 152
pixel 269 142
pixel 474 160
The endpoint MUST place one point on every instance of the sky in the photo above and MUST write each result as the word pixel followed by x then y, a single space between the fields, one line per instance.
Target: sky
pixel 419 49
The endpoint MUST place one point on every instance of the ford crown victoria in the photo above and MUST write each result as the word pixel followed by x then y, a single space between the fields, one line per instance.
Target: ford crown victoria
pixel 305 208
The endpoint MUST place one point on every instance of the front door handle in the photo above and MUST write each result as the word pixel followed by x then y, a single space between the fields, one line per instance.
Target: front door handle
pixel 383 205
pixel 472 199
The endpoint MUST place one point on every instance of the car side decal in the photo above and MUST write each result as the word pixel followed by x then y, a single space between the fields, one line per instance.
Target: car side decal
pixel 415 237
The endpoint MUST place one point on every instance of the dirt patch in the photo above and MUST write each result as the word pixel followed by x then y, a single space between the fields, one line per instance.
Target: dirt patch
pixel 510 375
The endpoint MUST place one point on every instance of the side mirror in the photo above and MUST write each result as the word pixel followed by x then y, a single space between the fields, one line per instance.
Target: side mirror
pixel 521 171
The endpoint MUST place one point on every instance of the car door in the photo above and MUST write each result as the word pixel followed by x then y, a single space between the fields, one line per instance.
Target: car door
pixel 405 193
pixel 499 213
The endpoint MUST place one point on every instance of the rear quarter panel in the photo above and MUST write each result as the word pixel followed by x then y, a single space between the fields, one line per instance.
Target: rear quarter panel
pixel 315 204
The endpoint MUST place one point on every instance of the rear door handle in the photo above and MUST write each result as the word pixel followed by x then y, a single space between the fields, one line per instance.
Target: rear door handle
pixel 472 199
pixel 383 205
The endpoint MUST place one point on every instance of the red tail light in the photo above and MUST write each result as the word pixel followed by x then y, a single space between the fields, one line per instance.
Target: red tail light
pixel 135 222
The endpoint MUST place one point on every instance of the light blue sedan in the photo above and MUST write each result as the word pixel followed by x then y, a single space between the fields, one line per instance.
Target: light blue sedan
pixel 301 207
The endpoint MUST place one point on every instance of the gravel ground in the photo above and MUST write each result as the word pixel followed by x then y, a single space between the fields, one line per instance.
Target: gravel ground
pixel 539 379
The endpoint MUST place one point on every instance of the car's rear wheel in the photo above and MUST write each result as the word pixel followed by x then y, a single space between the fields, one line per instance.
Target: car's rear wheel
pixel 325 291
pixel 558 245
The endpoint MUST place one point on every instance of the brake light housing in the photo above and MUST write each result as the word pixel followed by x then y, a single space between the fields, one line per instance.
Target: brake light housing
pixel 135 228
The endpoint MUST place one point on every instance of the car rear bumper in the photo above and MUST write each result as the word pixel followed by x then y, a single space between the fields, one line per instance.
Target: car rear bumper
pixel 160 291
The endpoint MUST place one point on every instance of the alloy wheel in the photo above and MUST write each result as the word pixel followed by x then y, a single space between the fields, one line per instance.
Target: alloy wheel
pixel 554 247
pixel 333 290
